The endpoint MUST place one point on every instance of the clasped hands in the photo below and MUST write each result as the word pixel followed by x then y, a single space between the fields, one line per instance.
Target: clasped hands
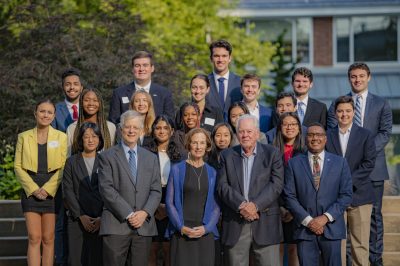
pixel 90 224
pixel 249 211
pixel 194 232
pixel 316 225
pixel 40 194
pixel 137 219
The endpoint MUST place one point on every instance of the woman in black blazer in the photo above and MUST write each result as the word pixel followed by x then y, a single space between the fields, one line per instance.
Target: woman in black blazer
pixel 82 198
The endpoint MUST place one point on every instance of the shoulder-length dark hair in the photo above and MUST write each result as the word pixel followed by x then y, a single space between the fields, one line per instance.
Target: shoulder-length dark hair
pixel 279 141
pixel 82 129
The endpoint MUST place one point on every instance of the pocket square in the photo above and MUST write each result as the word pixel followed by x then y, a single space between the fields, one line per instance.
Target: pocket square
pixel 155 95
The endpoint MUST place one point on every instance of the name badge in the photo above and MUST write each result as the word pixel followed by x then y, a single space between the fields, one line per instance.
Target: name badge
pixel 209 121
pixel 53 144
pixel 125 100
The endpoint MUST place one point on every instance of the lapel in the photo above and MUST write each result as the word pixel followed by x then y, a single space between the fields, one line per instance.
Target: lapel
pixel 325 170
pixel 121 158
pixel 352 139
pixel 65 113
pixel 308 109
pixel 33 149
pixel 153 93
pixel 140 167
pixel 238 164
pixel 214 91
pixel 335 141
pixel 82 168
pixel 307 168
pixel 368 109
pixel 257 164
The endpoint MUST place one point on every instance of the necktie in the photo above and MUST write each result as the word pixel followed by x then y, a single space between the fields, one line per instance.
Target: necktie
pixel 132 164
pixel 316 171
pixel 74 112
pixel 221 90
pixel 300 111
pixel 357 116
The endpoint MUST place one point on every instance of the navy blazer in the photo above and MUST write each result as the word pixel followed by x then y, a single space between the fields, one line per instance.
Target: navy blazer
pixel 316 112
pixel 233 93
pixel 360 155
pixel 174 200
pixel 63 117
pixel 333 196
pixel 266 185
pixel 161 96
pixel 265 118
pixel 378 120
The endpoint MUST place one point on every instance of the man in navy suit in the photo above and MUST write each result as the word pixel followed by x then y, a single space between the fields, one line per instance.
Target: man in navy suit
pixel 250 89
pixel 309 110
pixel 225 85
pixel 357 145
pixel 142 69
pixel 375 115
pixel 67 111
pixel 317 191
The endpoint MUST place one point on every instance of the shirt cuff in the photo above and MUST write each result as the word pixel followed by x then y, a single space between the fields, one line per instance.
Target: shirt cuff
pixel 306 220
pixel 330 218
pixel 129 215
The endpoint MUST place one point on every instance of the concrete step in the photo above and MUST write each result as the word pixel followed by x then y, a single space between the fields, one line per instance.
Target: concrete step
pixel 391 258
pixel 13 261
pixel 12 227
pixel 391 204
pixel 10 209
pixel 13 245
pixel 391 222
pixel 391 242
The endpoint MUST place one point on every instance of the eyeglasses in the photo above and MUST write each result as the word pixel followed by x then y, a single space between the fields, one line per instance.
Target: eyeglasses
pixel 290 125
pixel 316 135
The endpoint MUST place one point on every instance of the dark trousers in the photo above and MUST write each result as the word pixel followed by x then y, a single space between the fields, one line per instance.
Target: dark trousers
pixel 309 252
pixel 84 248
pixel 376 235
pixel 126 250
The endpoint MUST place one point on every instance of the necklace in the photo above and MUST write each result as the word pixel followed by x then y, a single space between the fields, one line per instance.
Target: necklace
pixel 198 175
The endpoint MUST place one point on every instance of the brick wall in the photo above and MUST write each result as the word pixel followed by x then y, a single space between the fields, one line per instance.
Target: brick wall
pixel 322 41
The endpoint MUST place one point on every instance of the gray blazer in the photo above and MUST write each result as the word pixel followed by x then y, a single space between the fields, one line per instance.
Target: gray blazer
pixel 121 196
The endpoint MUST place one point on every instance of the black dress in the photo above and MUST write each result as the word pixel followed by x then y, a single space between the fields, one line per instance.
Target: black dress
pixel 32 204
pixel 193 251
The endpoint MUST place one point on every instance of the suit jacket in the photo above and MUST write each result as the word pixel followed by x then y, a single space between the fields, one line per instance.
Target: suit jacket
pixel 378 120
pixel 360 155
pixel 265 118
pixel 63 117
pixel 233 92
pixel 316 112
pixel 81 192
pixel 333 196
pixel 122 197
pixel 26 159
pixel 265 188
pixel 174 200
pixel 161 96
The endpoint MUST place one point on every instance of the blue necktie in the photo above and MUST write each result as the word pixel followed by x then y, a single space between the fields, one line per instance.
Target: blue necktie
pixel 357 116
pixel 300 111
pixel 132 165
pixel 221 90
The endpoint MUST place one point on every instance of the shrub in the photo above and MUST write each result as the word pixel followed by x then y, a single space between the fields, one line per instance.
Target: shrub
pixel 10 188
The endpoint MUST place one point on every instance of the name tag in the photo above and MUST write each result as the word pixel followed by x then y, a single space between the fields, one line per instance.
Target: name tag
pixel 125 100
pixel 53 144
pixel 209 121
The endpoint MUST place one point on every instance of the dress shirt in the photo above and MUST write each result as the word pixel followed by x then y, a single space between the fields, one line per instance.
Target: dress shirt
pixel 165 167
pixel 255 111
pixel 69 106
pixel 146 87
pixel 248 162
pixel 308 219
pixel 226 76
pixel 344 138
pixel 363 100
pixel 305 101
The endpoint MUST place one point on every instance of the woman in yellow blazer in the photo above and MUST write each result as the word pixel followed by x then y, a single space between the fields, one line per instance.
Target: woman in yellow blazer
pixel 39 159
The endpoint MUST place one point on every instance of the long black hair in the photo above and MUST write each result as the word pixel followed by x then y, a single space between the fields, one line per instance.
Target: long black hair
pixel 96 130
pixel 279 141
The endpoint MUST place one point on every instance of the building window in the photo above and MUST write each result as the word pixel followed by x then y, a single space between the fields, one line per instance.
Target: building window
pixel 297 38
pixel 369 39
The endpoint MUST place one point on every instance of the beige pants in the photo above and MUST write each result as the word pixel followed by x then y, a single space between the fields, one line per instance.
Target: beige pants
pixel 359 222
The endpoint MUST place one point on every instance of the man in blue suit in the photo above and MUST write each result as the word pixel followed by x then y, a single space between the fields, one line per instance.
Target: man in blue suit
pixel 250 89
pixel 317 191
pixel 358 147
pixel 373 113
pixel 225 85
pixel 142 70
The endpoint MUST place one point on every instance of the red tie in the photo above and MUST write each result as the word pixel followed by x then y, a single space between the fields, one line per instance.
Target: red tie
pixel 75 112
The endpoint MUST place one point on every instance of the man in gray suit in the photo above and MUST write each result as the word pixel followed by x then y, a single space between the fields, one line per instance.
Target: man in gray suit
pixel 250 183
pixel 131 190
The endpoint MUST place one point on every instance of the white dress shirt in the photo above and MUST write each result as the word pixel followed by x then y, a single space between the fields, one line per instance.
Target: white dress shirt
pixel 146 87
pixel 69 106
pixel 344 139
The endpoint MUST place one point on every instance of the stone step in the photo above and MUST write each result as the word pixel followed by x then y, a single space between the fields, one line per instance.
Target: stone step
pixel 13 261
pixel 391 242
pixel 391 223
pixel 391 204
pixel 391 258
pixel 13 245
pixel 10 209
pixel 12 227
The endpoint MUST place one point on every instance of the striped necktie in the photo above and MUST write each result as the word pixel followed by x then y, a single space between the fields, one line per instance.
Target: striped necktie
pixel 132 164
pixel 357 116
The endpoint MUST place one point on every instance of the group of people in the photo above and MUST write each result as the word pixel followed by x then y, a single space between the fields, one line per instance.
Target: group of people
pixel 224 180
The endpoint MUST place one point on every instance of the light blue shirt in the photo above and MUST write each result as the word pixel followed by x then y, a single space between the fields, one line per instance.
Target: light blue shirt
pixel 248 162
pixel 127 149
